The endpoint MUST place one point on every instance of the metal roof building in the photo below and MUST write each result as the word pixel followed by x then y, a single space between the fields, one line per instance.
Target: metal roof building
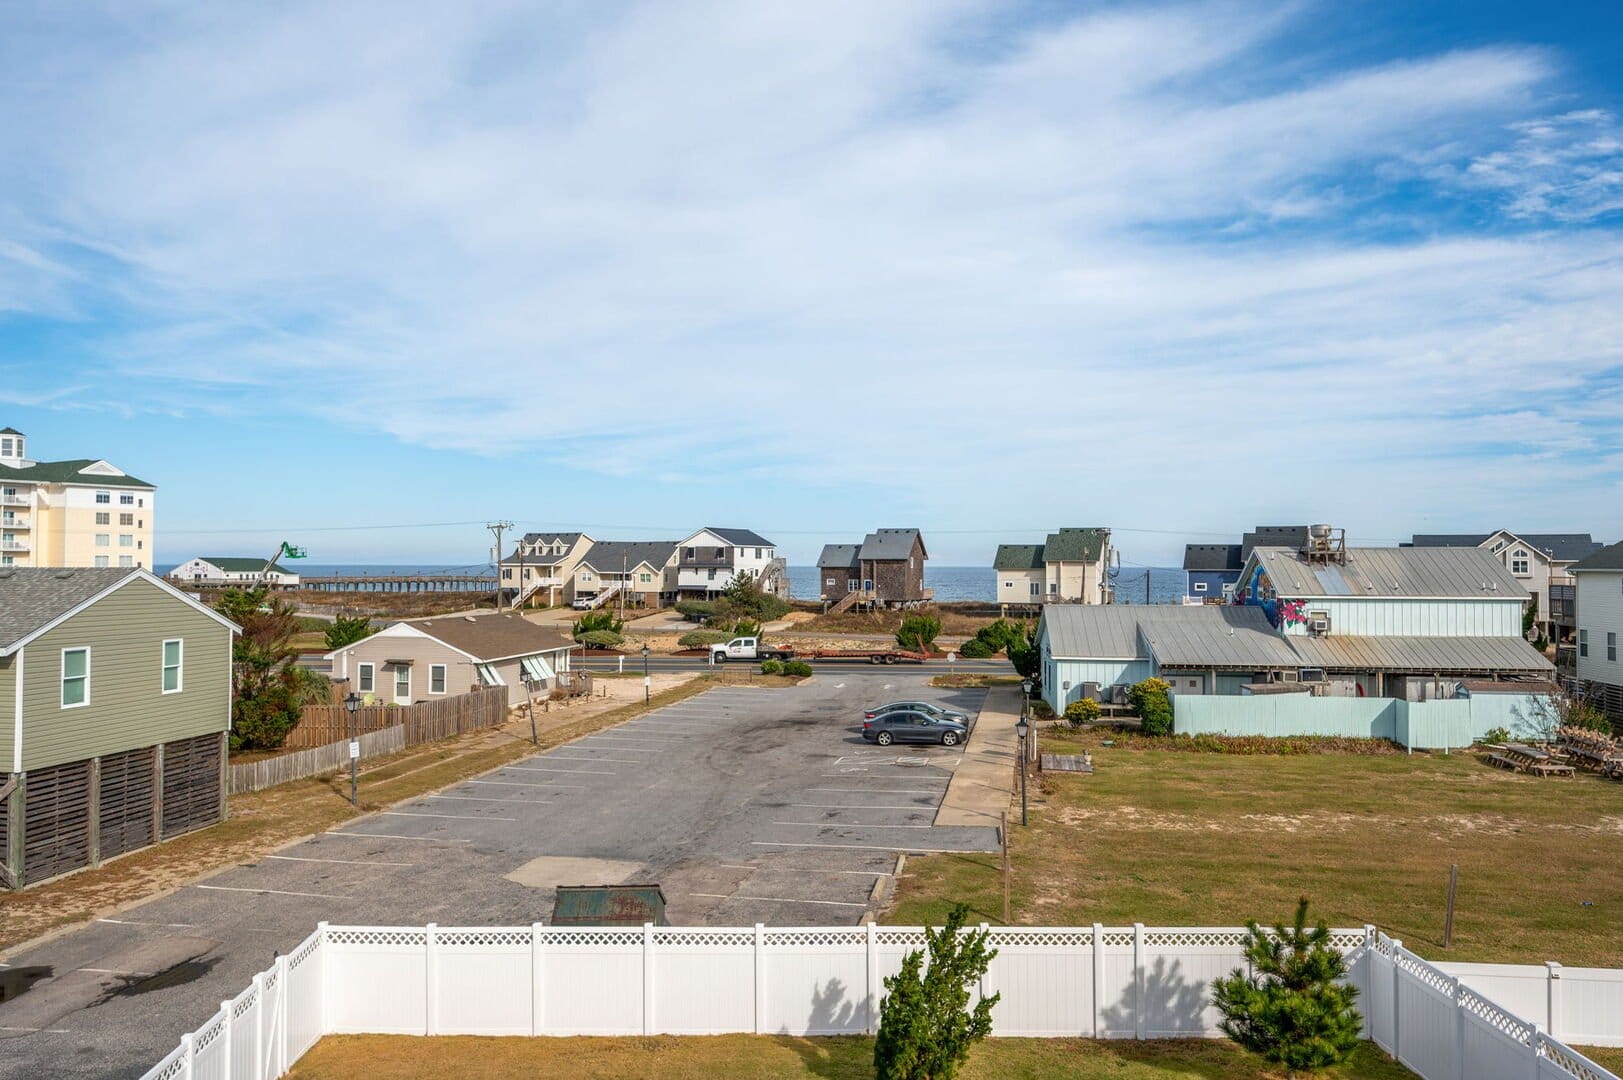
pixel 1374 573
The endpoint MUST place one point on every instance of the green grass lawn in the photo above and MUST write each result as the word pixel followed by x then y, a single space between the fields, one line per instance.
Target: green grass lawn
pixel 1179 839
pixel 749 1057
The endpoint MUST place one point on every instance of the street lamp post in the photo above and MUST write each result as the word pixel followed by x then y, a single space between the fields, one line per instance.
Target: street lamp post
pixel 352 703
pixel 645 680
pixel 1023 729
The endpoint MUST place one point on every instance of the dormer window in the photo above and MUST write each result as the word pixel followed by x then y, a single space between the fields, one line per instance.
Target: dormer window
pixel 12 446
pixel 1500 546
pixel 1518 563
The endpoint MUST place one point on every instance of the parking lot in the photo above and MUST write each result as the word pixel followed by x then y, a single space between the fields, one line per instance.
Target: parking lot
pixel 745 805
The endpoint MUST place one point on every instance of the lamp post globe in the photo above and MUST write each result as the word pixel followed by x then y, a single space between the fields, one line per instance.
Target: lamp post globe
pixel 351 703
pixel 645 680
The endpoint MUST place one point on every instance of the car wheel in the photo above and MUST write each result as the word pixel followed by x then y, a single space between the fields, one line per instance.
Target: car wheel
pixel 876 659
pixel 949 738
pixel 884 738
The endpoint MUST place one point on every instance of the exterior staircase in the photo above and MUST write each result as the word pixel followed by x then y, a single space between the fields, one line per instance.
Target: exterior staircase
pixel 605 596
pixel 846 602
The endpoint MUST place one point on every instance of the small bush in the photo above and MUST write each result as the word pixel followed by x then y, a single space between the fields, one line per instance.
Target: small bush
pixel 998 636
pixel 1082 711
pixel 701 639
pixel 771 667
pixel 918 632
pixel 976 649
pixel 597 622
pixel 797 667
pixel 1154 707
pixel 346 630
pixel 1496 735
pixel 695 610
pixel 600 639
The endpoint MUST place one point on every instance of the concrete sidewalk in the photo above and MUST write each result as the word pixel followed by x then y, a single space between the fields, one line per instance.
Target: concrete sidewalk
pixel 982 787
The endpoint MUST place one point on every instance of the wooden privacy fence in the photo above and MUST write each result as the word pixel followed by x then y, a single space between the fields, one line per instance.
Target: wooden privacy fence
pixel 259 775
pixel 425 721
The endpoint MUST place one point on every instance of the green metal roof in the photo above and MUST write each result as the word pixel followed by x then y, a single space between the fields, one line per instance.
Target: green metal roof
pixel 1075 545
pixel 245 566
pixel 1018 557
pixel 68 472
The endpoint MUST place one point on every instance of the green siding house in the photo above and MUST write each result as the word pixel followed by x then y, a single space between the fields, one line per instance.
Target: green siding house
pixel 115 703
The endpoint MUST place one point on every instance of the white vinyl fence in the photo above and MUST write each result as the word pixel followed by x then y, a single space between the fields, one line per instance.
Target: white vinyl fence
pixel 1131 982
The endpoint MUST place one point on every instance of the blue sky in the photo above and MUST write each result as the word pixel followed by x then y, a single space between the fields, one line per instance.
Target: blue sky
pixel 812 269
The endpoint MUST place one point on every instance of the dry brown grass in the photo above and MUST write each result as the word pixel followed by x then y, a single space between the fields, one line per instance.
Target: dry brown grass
pixel 1180 839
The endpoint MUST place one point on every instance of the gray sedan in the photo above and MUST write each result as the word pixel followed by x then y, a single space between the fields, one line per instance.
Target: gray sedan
pixel 907 726
pixel 916 706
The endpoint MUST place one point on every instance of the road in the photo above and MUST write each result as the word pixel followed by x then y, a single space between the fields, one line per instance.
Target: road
pixel 746 805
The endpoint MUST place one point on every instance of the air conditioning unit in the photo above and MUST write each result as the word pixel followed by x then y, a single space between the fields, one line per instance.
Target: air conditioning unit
pixel 1288 676
pixel 1118 695
pixel 1312 674
pixel 1318 622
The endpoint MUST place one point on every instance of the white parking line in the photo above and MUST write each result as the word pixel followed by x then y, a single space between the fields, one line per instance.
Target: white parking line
pixel 520 783
pixel 345 862
pixel 137 922
pixel 38 1031
pixel 397 836
pixel 881 791
pixel 847 806
pixel 566 772
pixel 777 900
pixel 486 798
pixel 872 847
pixel 452 817
pixel 607 760
pixel 271 892
pixel 652 739
pixel 847 825
pixel 803 870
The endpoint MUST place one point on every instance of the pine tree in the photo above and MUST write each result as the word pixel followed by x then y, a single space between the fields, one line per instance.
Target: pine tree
pixel 1295 1009
pixel 925 1024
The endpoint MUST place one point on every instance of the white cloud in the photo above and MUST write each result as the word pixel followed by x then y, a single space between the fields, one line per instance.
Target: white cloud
pixel 1125 244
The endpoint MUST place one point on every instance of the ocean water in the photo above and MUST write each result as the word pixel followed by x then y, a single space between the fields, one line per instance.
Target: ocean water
pixel 980 583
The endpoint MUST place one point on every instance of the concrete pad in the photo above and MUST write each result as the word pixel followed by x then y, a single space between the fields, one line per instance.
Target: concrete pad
pixel 551 871
pixel 982 786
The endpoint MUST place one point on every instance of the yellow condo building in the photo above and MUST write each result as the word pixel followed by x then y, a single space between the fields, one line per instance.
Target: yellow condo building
pixel 70 513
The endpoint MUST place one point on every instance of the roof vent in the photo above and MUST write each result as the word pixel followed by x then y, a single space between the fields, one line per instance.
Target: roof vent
pixel 469 618
pixel 62 575
pixel 8 572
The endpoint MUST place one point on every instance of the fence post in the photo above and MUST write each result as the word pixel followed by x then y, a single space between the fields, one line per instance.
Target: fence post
pixel 1397 1013
pixel 326 977
pixel 188 1053
pixel 538 977
pixel 647 978
pixel 431 974
pixel 1366 990
pixel 873 977
pixel 1459 1030
pixel 1552 1000
pixel 1138 980
pixel 760 978
pixel 980 985
pixel 259 1026
pixel 281 1015
pixel 1098 979
pixel 225 1037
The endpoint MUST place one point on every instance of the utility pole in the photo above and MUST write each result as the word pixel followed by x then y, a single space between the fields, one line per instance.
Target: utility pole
pixel 1146 586
pixel 625 583
pixel 497 528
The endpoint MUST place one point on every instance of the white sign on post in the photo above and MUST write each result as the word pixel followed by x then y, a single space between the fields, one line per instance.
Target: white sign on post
pixel 952 658
pixel 354 749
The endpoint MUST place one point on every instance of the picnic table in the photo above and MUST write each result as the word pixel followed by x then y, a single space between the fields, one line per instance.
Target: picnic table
pixel 1520 757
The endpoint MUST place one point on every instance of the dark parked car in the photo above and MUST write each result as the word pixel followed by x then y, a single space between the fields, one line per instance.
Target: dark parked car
pixel 908 726
pixel 917 706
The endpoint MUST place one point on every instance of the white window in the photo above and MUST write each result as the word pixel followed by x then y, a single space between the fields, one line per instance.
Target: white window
pixel 126 519
pixel 101 561
pixel 172 650
pixel 125 560
pixel 757 553
pixel 103 517
pixel 586 575
pixel 75 678
pixel 126 500
pixel 104 539
pixel 436 678
pixel 1611 645
pixel 645 577
pixel 126 540
pixel 1199 586
pixel 1518 563
pixel 1008 584
pixel 104 498
pixel 7 560
pixel 402 683
pixel 1500 546
pixel 363 678
pixel 711 574
pixel 1036 588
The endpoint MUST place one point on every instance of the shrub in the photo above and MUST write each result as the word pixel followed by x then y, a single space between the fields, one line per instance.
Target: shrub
pixel 771 667
pixel 1295 1008
pixel 261 722
pixel 746 628
pixel 695 610
pixel 347 630
pixel 595 622
pixel 1082 711
pixel 918 632
pixel 926 1025
pixel 1153 706
pixel 1024 655
pixel 701 639
pixel 1496 735
pixel 600 639
pixel 998 636
pixel 797 667
pixel 976 649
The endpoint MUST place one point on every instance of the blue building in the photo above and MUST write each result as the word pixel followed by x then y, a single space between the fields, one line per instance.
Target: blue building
pixel 1211 570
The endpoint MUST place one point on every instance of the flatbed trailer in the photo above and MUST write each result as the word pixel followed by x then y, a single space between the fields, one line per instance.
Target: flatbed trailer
pixel 750 648
pixel 873 656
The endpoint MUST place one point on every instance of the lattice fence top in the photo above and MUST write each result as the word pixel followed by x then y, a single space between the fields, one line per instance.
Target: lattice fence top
pixel 1496 1017
pixel 1194 939
pixel 594 935
pixel 209 1032
pixel 1050 939
pixel 780 938
pixel 699 938
pixel 172 1066
pixel 244 1001
pixel 495 936
pixel 305 950
pixel 384 935
pixel 1569 1060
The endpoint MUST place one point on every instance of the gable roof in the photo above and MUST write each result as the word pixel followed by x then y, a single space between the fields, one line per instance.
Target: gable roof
pixel 1607 558
pixel 1175 634
pixel 10 431
pixel 1560 547
pixel 34 598
pixel 736 537
pixel 1291 536
pixel 544 539
pixel 1075 545
pixel 237 565
pixel 1018 557
pixel 492 637
pixel 838 556
pixel 613 556
pixel 68 472
pixel 1435 573
pixel 1213 557
pixel 886 545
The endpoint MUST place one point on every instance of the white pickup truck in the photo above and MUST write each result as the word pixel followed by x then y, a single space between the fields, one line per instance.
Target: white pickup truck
pixel 748 648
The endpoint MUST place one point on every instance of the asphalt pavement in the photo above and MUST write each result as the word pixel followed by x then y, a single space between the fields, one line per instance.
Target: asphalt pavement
pixel 746 805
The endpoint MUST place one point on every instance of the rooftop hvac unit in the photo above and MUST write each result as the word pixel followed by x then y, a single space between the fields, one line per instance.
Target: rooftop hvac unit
pixel 1318 623
pixel 1288 676
pixel 1312 674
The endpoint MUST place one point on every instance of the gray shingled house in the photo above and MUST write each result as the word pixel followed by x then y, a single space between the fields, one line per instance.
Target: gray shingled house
pixel 885 570
pixel 115 694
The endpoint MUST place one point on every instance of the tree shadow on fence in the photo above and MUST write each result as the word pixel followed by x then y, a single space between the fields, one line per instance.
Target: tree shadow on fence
pixel 1170 1002
pixel 831 1010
